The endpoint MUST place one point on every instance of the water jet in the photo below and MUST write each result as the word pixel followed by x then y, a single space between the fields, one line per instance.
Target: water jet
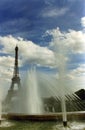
pixel 27 103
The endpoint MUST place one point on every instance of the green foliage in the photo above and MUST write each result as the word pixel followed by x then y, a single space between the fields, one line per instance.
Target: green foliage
pixel 28 125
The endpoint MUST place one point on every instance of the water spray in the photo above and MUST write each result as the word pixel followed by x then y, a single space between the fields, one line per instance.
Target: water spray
pixel 0 105
pixel 60 56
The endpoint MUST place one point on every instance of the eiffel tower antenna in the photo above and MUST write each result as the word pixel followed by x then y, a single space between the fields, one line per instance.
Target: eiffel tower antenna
pixel 16 69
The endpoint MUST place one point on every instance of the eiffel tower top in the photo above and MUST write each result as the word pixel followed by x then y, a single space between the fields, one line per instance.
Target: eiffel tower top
pixel 16 69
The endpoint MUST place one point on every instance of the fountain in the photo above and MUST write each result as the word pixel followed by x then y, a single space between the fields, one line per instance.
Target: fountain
pixel 60 57
pixel 30 93
pixel 3 121
pixel 0 112
pixel 0 105
pixel 28 104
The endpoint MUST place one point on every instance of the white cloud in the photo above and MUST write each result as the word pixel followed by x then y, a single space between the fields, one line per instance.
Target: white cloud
pixel 78 72
pixel 6 72
pixel 76 41
pixel 8 43
pixel 77 77
pixel 6 61
pixel 53 12
pixel 28 51
pixel 83 21
pixel 49 2
pixel 73 41
pixel 6 67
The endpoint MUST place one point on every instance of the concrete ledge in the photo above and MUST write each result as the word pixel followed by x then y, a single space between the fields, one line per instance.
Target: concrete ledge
pixel 45 117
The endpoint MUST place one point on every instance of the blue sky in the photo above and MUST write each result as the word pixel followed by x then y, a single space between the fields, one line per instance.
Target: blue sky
pixel 30 19
pixel 36 25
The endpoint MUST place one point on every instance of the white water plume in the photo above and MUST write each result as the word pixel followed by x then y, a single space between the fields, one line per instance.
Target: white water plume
pixel 0 103
pixel 0 110
pixel 28 100
pixel 60 56
pixel 31 97
pixel 38 85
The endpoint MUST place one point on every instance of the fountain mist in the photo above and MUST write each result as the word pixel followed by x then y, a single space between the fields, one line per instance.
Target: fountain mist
pixel 0 105
pixel 60 56
pixel 62 84
pixel 0 111
pixel 33 98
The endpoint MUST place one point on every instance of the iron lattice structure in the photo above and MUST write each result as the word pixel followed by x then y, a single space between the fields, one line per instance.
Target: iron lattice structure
pixel 15 80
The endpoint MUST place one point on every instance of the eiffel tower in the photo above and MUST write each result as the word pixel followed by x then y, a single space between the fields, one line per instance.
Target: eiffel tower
pixel 15 80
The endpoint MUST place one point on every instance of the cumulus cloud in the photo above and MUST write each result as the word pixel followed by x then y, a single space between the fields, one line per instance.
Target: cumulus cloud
pixel 77 77
pixel 6 61
pixel 73 41
pixel 6 72
pixel 83 21
pixel 6 67
pixel 29 51
pixel 78 72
